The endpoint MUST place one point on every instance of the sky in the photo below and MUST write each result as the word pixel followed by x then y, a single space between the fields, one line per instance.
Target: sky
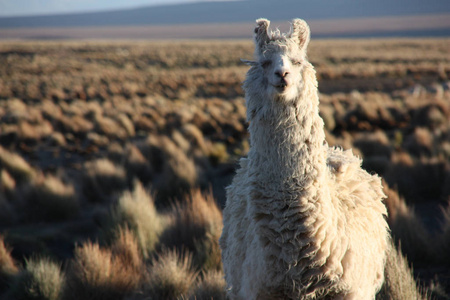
pixel 10 8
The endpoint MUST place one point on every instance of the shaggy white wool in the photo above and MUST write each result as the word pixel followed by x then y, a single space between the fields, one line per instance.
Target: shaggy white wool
pixel 302 220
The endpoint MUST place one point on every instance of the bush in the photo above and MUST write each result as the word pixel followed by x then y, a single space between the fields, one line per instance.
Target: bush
pixel 211 286
pixel 177 172
pixel 96 274
pixel 170 276
pixel 197 227
pixel 136 212
pixel 50 199
pixel 102 178
pixel 16 166
pixel 8 268
pixel 399 281
pixel 41 280
pixel 406 228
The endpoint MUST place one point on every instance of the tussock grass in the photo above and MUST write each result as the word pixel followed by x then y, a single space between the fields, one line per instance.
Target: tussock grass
pixel 197 227
pixel 102 178
pixel 66 104
pixel 210 286
pixel 8 267
pixel 170 276
pixel 136 164
pixel 109 127
pixel 96 273
pixel 442 243
pixel 18 167
pixel 399 283
pixel 40 280
pixel 49 198
pixel 126 249
pixel 7 214
pixel 177 172
pixel 406 228
pixel 136 211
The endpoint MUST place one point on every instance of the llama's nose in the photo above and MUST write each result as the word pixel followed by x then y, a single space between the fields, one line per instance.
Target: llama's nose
pixel 281 73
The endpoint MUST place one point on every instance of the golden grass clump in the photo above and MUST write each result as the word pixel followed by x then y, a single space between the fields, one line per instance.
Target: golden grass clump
pixel 126 249
pixel 96 274
pixel 399 283
pixel 7 182
pixel 41 279
pixel 18 167
pixel 136 164
pixel 406 228
pixel 34 132
pixel 420 142
pixel 210 286
pixel 109 127
pixel 8 267
pixel 170 276
pixel 197 227
pixel 177 172
pixel 136 212
pixel 49 198
pixel 102 178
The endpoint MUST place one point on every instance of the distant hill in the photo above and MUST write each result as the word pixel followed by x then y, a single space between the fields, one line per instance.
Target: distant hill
pixel 235 11
pixel 232 18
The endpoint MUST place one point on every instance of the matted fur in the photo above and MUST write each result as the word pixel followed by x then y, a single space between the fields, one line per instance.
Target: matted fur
pixel 302 220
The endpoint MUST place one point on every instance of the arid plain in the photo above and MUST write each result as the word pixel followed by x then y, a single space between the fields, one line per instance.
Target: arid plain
pixel 114 156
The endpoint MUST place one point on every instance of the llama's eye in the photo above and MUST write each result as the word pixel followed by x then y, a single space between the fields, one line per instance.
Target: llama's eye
pixel 296 62
pixel 265 63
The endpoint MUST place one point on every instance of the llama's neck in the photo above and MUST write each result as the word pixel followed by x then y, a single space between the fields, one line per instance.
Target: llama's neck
pixel 287 175
pixel 287 142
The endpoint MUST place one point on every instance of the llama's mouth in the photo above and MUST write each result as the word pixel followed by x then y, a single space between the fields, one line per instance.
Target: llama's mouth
pixel 280 87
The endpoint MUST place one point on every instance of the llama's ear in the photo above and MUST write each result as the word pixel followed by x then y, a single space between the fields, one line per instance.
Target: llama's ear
pixel 301 33
pixel 261 32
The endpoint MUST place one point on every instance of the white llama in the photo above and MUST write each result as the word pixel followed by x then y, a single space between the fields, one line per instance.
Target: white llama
pixel 302 220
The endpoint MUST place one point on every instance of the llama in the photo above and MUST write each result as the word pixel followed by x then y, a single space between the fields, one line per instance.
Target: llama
pixel 302 220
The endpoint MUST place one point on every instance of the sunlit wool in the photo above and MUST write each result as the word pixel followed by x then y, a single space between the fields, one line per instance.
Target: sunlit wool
pixel 302 220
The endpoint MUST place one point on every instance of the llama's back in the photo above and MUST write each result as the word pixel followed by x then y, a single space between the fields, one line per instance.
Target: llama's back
pixel 358 196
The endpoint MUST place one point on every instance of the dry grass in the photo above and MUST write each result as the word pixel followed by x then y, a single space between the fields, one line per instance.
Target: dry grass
pixel 18 167
pixel 136 212
pixel 49 198
pixel 96 273
pixel 81 121
pixel 407 229
pixel 170 276
pixel 399 283
pixel 8 267
pixel 40 280
pixel 102 179
pixel 177 173
pixel 210 286
pixel 197 228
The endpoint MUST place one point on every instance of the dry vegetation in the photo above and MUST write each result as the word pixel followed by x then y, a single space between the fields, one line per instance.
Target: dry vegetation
pixel 114 157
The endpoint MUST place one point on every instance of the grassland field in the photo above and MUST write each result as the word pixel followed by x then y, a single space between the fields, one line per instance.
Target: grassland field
pixel 115 155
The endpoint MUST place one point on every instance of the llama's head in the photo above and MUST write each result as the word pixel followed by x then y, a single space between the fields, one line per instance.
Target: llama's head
pixel 280 59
